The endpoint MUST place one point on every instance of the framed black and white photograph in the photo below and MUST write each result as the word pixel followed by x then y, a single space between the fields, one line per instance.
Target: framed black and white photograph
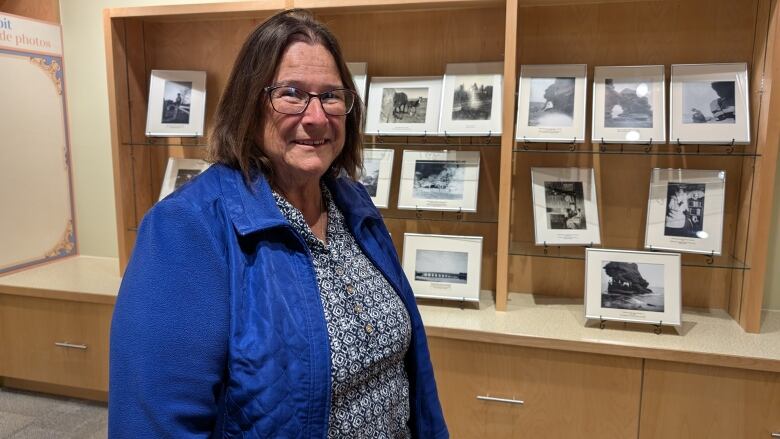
pixel 565 206
pixel 551 103
pixel 177 103
pixel 180 171
pixel 404 106
pixel 685 210
pixel 376 174
pixel 628 104
pixel 709 104
pixel 439 180
pixel 471 100
pixel 359 71
pixel 633 286
pixel 443 266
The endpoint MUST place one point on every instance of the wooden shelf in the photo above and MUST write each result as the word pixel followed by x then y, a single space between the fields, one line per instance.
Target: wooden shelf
pixel 709 336
pixel 396 38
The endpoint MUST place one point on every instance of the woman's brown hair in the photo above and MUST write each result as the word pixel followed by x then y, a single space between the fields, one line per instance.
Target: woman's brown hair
pixel 240 112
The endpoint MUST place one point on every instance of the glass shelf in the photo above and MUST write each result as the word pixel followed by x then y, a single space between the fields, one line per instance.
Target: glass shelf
pixel 426 215
pixel 578 253
pixel 432 141
pixel 634 149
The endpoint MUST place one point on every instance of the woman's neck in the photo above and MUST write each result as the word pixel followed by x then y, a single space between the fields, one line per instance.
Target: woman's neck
pixel 307 198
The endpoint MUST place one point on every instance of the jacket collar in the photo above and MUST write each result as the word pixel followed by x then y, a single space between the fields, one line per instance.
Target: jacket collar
pixel 252 208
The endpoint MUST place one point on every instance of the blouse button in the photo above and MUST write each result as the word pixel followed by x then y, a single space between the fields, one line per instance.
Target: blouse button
pixel 369 328
pixel 340 271
pixel 358 308
pixel 350 289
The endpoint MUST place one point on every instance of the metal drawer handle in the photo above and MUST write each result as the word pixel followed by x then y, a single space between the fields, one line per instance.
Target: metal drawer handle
pixel 70 345
pixel 775 434
pixel 506 400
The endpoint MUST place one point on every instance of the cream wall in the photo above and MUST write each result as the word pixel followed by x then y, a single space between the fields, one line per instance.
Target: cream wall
pixel 87 93
pixel 85 69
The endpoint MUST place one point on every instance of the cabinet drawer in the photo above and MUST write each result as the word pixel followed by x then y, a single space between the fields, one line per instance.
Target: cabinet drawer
pixel 55 341
pixel 563 393
pixel 687 400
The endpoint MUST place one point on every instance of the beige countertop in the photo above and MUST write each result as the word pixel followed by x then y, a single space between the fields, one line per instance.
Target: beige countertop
pixel 706 336
pixel 83 278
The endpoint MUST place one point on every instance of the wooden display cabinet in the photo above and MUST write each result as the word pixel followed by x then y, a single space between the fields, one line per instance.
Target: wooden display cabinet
pixel 647 33
pixel 493 390
pixel 419 37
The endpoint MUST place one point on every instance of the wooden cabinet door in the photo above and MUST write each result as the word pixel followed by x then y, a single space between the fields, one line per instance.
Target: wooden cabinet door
pixel 564 393
pixel 686 400
pixel 55 341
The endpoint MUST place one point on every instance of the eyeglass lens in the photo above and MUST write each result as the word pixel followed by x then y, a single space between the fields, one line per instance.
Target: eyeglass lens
pixel 290 100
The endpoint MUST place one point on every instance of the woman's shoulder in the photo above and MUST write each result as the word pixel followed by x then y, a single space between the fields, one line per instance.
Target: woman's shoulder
pixel 200 200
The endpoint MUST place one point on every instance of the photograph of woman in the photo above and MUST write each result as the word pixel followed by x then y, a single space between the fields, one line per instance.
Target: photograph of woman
pixel 265 298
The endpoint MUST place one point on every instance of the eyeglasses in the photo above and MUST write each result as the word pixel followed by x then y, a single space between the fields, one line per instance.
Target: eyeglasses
pixel 291 100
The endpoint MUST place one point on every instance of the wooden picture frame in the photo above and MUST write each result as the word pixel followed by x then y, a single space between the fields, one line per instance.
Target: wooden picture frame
pixel 551 103
pixel 443 266
pixel 629 104
pixel 404 106
pixel 685 210
pixel 439 180
pixel 709 104
pixel 565 206
pixel 177 103
pixel 471 99
pixel 376 175
pixel 180 171
pixel 633 286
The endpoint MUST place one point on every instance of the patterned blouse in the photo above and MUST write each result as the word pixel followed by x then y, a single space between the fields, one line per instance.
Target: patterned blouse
pixel 369 331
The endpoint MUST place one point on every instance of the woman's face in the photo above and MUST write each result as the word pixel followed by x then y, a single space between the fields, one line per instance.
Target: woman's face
pixel 302 147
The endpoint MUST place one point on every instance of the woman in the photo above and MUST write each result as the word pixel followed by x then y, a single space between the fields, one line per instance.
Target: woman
pixel 265 298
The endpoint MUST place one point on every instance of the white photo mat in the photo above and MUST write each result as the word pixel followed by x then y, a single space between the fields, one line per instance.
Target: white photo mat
pixel 177 103
pixel 565 206
pixel 443 266
pixel 439 180
pixel 628 104
pixel 471 99
pixel 709 104
pixel 404 106
pixel 359 71
pixel 611 292
pixel 376 175
pixel 551 103
pixel 685 210
pixel 180 171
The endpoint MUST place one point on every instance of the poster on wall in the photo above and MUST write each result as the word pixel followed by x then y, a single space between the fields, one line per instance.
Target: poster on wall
pixel 551 103
pixel 443 266
pixel 628 104
pixel 709 104
pixel 685 210
pixel 38 222
pixel 565 206
pixel 633 286
pixel 439 180
pixel 179 172
pixel 376 174
pixel 471 99
pixel 403 106
pixel 359 71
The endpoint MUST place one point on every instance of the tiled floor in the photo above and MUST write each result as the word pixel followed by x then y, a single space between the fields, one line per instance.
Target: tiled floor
pixel 25 415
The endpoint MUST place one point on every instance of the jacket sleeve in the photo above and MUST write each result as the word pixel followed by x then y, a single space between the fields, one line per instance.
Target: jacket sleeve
pixel 169 329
